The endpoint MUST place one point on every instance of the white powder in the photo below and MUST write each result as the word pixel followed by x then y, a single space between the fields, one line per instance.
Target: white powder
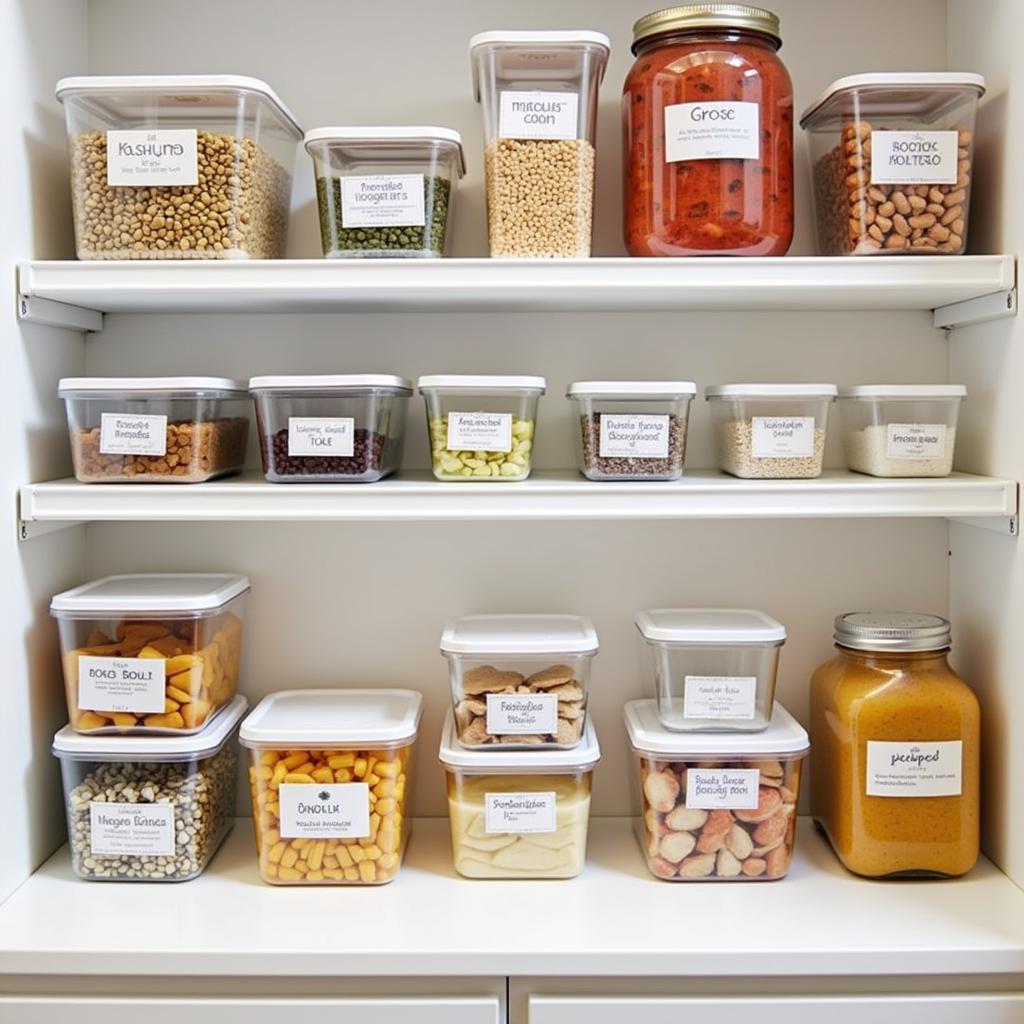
pixel 867 451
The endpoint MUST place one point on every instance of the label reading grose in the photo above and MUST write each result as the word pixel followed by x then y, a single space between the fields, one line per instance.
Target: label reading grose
pixel 122 684
pixel 708 788
pixel 633 436
pixel 145 158
pixel 720 697
pixel 915 441
pixel 781 436
pixel 314 810
pixel 382 200
pixel 519 813
pixel 321 435
pixel 716 130
pixel 521 713
pixel 538 115
pixel 914 158
pixel 122 434
pixel 915 769
pixel 132 829
pixel 480 431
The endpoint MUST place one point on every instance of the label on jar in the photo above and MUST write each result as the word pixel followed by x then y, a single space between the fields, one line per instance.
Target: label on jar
pixel 914 158
pixel 522 713
pixel 321 435
pixel 775 436
pixel 519 813
pixel 633 437
pixel 734 788
pixel 146 158
pixel 916 441
pixel 122 434
pixel 122 684
pixel 720 697
pixel 382 200
pixel 538 115
pixel 480 431
pixel 915 769
pixel 317 810
pixel 132 829
pixel 715 130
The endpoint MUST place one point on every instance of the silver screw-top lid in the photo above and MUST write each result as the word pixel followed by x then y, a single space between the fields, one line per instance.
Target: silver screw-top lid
pixel 892 631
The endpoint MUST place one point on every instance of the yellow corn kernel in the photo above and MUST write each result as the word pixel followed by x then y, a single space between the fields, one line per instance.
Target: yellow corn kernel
pixel 367 872
pixel 298 777
pixel 389 861
pixel 271 836
pixel 357 853
pixel 288 874
pixel 276 852
pixel 315 876
pixel 359 768
pixel 373 852
pixel 149 652
pixel 385 806
pixel 364 842
pixel 170 721
pixel 386 787
pixel 346 760
pixel 180 663
pixel 374 823
pixel 179 695
pixel 370 763
pixel 322 774
pixel 263 773
pixel 344 857
pixel 335 874
pixel 289 857
pixel 351 875
pixel 316 855
pixel 343 775
pixel 294 760
pixel 387 769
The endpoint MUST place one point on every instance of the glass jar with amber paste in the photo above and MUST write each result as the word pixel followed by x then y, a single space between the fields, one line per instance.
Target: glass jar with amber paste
pixel 895 749
pixel 708 122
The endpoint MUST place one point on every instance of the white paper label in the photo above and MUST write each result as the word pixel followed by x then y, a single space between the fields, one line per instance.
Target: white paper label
pixel 382 200
pixel 720 697
pixel 538 115
pixel 131 829
pixel 122 684
pixel 522 713
pixel 122 434
pixel 708 788
pixel 775 436
pixel 321 435
pixel 914 158
pixel 519 813
pixel 716 130
pixel 633 437
pixel 145 158
pixel 333 810
pixel 480 431
pixel 915 769
pixel 916 441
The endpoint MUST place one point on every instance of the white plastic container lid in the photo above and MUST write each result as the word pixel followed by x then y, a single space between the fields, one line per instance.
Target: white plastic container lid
pixel 224 386
pixel 771 391
pixel 333 718
pixel 906 392
pixel 631 389
pixel 333 382
pixel 380 138
pixel 785 736
pixel 709 626
pixel 470 382
pixel 519 634
pixel 160 592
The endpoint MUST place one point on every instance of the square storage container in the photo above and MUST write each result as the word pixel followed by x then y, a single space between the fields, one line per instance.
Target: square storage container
pixel 330 429
pixel 771 431
pixel 892 160
pixel 330 772
pixel 715 807
pixel 149 808
pixel 714 668
pixel 175 167
pixel 901 429
pixel 385 192
pixel 481 428
pixel 632 429
pixel 155 430
pixel 521 814
pixel 538 91
pixel 150 654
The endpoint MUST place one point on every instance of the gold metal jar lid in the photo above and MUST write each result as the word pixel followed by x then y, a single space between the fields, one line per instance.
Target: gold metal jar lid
pixel 698 16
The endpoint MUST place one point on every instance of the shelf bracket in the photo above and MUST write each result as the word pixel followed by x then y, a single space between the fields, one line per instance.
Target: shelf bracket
pixel 29 529
pixel 996 306
pixel 1007 526
pixel 35 310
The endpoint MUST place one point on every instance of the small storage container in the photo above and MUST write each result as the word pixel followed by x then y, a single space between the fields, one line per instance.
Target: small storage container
pixel 714 668
pixel 771 431
pixel 632 429
pixel 901 429
pixel 715 807
pixel 481 427
pixel 174 167
pixel 519 681
pixel 538 91
pixel 892 158
pixel 330 772
pixel 150 654
pixel 518 814
pixel 154 430
pixel 149 808
pixel 330 429
pixel 385 192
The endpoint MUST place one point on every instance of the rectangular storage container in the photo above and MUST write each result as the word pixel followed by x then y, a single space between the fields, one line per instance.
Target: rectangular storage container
pixel 538 91
pixel 330 772
pixel 149 808
pixel 386 192
pixel 892 161
pixel 173 167
pixel 521 814
pixel 481 428
pixel 150 654
pixel 901 429
pixel 714 668
pixel 771 431
pixel 330 429
pixel 155 430
pixel 715 807
pixel 519 681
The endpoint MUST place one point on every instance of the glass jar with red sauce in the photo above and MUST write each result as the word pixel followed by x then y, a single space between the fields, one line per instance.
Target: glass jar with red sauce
pixel 708 120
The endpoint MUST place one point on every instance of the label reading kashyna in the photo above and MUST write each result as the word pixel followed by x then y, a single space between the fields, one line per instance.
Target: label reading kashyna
pixel 145 158
pixel 708 788
pixel 131 829
pixel 522 713
pixel 334 810
pixel 915 769
pixel 714 130
pixel 124 434
pixel 519 813
pixel 633 436
pixel 720 697
pixel 915 441
pixel 775 436
pixel 479 431
pixel 135 685
pixel 914 158
pixel 538 115
pixel 321 435
pixel 382 200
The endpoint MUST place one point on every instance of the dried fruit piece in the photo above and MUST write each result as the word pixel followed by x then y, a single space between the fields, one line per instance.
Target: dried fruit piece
pixel 685 819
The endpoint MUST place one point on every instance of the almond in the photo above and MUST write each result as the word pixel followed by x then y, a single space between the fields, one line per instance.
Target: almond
pixel 685 819
pixel 726 865
pixel 769 800
pixel 700 865
pixel 676 846
pixel 739 843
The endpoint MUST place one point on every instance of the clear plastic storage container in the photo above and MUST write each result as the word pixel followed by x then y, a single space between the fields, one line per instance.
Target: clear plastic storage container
pixel 385 192
pixel 518 814
pixel 149 809
pixel 892 158
pixel 176 430
pixel 715 807
pixel 330 772
pixel 481 427
pixel 157 653
pixel 330 429
pixel 519 681
pixel 174 167
pixel 771 431
pixel 901 429
pixel 538 91
pixel 714 668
